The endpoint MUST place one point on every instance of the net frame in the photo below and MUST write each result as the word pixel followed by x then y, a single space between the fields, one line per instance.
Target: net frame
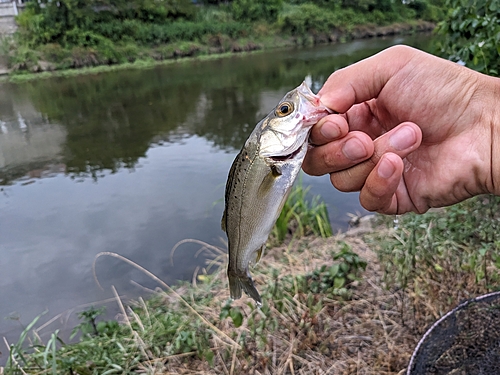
pixel 447 330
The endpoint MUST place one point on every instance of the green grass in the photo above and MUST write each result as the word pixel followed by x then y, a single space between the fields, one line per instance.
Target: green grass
pixel 461 238
pixel 301 216
pixel 443 257
pixel 19 77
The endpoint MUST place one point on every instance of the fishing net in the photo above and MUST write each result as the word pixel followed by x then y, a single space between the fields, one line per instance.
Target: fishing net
pixel 466 341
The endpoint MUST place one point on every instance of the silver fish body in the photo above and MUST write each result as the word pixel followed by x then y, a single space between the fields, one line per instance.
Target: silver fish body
pixel 260 180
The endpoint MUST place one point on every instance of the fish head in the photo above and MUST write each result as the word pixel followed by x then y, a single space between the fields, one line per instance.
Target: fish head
pixel 285 130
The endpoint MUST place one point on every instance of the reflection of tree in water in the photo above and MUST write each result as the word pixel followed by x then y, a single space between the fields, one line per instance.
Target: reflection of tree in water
pixel 229 116
pixel 111 119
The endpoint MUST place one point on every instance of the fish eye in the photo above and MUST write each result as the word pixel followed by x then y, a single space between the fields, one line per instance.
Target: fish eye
pixel 284 109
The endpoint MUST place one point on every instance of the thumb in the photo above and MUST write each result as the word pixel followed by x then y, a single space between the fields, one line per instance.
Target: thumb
pixel 364 80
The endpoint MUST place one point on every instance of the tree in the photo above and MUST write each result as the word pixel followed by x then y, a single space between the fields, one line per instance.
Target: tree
pixel 472 34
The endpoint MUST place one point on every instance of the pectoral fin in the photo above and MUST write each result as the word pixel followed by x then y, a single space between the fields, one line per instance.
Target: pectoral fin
pixel 276 170
pixel 268 181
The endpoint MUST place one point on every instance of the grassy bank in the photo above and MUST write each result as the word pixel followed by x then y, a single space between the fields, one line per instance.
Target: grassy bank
pixel 361 32
pixel 45 69
pixel 354 303
pixel 72 35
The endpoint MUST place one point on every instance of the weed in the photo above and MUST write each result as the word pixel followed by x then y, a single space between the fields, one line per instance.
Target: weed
pixel 443 257
pixel 464 237
pixel 301 217
pixel 334 279
pixel 164 335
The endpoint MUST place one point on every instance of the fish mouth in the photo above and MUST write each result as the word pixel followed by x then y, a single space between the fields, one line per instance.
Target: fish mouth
pixel 287 156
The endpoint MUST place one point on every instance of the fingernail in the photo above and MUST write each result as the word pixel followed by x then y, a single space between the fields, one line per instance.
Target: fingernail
pixel 329 130
pixel 386 168
pixel 403 138
pixel 354 150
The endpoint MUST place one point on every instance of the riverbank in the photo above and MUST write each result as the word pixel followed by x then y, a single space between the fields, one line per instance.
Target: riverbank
pixel 323 312
pixel 219 49
pixel 355 303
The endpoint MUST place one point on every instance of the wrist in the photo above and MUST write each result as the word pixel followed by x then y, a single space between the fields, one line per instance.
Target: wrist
pixel 492 101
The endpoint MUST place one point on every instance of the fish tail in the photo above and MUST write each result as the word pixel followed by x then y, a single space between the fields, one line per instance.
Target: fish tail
pixel 234 286
pixel 245 283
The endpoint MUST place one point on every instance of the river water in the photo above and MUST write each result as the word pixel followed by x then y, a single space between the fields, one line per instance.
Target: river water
pixel 132 162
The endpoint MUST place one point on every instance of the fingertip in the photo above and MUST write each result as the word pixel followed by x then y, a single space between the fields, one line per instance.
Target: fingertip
pixel 329 129
pixel 389 170
pixel 386 168
pixel 378 193
pixel 407 136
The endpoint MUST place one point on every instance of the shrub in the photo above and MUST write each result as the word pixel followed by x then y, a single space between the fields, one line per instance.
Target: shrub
pixel 24 58
pixel 254 10
pixel 301 19
pixel 128 52
pixel 433 13
pixel 472 34
pixel 47 21
pixel 360 5
pixel 53 52
pixel 82 57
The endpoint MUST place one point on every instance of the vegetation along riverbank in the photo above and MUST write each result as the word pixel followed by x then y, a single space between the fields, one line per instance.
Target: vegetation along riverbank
pixel 70 34
pixel 354 303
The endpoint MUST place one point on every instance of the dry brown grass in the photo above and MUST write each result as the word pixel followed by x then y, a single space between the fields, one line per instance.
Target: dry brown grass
pixel 366 334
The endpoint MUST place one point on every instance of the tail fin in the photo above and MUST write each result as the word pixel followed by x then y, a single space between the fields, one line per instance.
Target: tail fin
pixel 237 283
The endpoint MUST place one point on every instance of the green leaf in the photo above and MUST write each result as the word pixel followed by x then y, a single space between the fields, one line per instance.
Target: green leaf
pixel 237 317
pixel 209 356
pixel 338 282
pixel 334 270
pixel 344 267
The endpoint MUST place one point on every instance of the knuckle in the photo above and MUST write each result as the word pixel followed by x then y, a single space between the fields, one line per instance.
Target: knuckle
pixel 344 182
pixel 330 159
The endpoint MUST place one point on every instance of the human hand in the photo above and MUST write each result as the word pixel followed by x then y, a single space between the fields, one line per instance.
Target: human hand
pixel 415 131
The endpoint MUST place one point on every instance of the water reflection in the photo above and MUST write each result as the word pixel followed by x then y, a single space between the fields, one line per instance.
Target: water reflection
pixel 110 120
pixel 138 161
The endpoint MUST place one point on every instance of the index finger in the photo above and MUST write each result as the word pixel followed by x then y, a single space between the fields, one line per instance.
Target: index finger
pixel 365 79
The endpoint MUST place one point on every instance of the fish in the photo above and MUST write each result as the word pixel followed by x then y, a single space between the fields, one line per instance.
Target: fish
pixel 260 180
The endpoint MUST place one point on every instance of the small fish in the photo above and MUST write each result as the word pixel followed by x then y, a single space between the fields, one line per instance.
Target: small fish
pixel 260 180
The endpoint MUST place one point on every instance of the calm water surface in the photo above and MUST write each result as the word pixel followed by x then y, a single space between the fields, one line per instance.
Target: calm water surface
pixel 132 162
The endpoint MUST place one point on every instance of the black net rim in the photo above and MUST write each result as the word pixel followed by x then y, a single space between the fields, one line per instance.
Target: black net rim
pixel 422 341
